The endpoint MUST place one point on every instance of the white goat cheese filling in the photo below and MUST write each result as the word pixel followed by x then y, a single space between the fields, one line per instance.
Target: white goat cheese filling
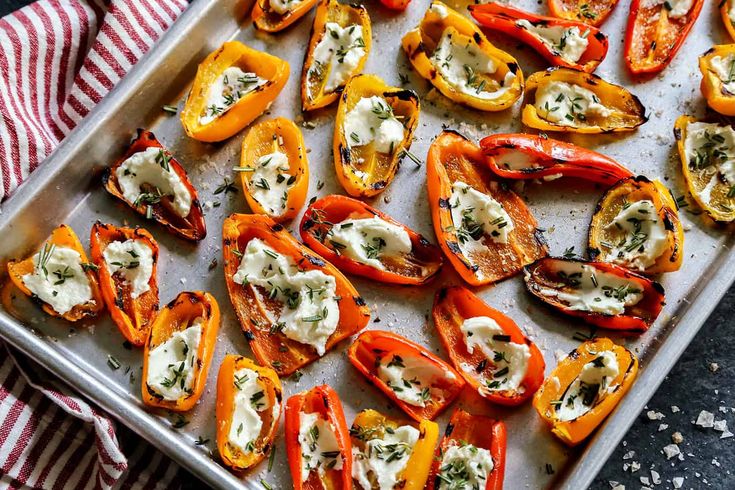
pixel 171 364
pixel 337 54
pixel 227 89
pixel 270 182
pixel 465 463
pixel 383 460
pixel 250 399
pixel 319 448
pixel 133 261
pixel 645 235
pixel 588 389
pixel 367 240
pixel 568 104
pixel 372 121
pixel 569 43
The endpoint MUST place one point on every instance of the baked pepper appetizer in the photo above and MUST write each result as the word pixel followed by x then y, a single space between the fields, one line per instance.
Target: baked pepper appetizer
pixel 361 240
pixel 420 383
pixel 233 85
pixel 728 16
pixel 455 56
pixel 153 183
pixel 249 400
pixel 179 350
pixel 292 305
pixel 471 454
pixel 636 225
pixel 338 49
pixel 274 169
pixel 485 229
pixel 532 156
pixel 718 78
pixel 573 101
pixel 656 30
pixel 584 388
pixel 59 277
pixel 318 441
pixel 592 13
pixel 276 15
pixel 561 42
pixel 126 260
pixel 391 454
pixel 373 130
pixel 707 152
pixel 487 348
pixel 600 293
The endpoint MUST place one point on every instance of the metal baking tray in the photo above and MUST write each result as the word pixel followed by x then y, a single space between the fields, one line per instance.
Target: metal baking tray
pixel 67 189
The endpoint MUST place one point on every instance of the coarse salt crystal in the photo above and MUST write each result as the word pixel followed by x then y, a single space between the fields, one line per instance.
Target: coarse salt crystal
pixel 705 419
pixel 653 415
pixel 663 427
pixel 678 482
pixel 720 425
pixel 671 450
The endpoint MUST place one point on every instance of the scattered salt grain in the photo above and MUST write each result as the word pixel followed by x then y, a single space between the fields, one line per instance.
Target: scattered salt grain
pixel 629 455
pixel 675 409
pixel 720 425
pixel 705 419
pixel 653 415
pixel 678 482
pixel 713 367
pixel 635 466
pixel 671 450
pixel 655 477
pixel 663 427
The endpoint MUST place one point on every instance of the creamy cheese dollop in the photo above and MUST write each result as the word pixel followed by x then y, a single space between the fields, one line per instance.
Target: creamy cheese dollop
pixel 150 169
pixel 569 43
pixel 645 235
pixel 710 148
pixel 338 54
pixel 674 8
pixel 319 448
pixel 467 463
pixel 371 120
pixel 250 398
pixel 589 388
pixel 568 104
pixel 367 240
pixel 283 6
pixel 410 377
pixel 270 182
pixel 58 278
pixel 133 261
pixel 383 460
pixel 310 311
pixel 724 68
pixel 226 90
pixel 171 365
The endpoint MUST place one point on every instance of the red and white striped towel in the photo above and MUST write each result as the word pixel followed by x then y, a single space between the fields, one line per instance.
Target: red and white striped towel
pixel 58 59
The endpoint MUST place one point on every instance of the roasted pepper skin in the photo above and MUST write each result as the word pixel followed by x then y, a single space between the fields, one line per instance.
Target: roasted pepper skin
pixel 593 13
pixel 553 157
pixel 482 432
pixel 453 157
pixel 176 316
pixel 417 468
pixel 266 137
pixel 231 455
pixel 725 14
pixel 630 190
pixel 503 18
pixel 628 114
pixel 372 345
pixel 61 236
pixel 416 44
pixel 284 355
pixel 133 317
pixel 712 87
pixel 452 306
pixel 268 20
pixel 312 93
pixel 719 207
pixel 377 169
pixel 418 268
pixel 636 319
pixel 652 38
pixel 246 109
pixel 193 226
pixel 572 432
pixel 324 401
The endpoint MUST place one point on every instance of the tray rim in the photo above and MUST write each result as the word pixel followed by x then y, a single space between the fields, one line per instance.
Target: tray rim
pixel 583 467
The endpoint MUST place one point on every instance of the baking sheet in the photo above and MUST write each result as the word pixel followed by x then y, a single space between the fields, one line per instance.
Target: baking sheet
pixel 66 189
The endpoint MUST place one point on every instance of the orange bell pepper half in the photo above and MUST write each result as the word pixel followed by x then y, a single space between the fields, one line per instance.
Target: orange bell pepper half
pixel 237 111
pixel 418 266
pixel 531 156
pixel 452 158
pixel 452 307
pixel 517 23
pixel 600 293
pixel 267 403
pixel 150 203
pixel 186 310
pixel 132 313
pixel 279 135
pixel 655 32
pixel 333 468
pixel 62 236
pixel 716 84
pixel 596 404
pixel 267 19
pixel 370 425
pixel 378 354
pixel 254 305
pixel 593 13
pixel 727 19
pixel 481 432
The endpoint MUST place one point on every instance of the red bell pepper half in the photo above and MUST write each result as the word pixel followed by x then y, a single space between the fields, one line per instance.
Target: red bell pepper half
pixel 530 156
pixel 376 351
pixel 510 20
pixel 334 470
pixel 454 305
pixel 395 4
pixel 655 32
pixel 417 267
pixel 483 433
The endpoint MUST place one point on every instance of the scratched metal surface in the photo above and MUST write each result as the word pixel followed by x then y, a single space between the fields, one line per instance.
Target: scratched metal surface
pixel 66 189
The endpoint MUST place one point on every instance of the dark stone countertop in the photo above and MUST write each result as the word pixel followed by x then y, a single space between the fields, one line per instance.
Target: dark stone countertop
pixel 692 387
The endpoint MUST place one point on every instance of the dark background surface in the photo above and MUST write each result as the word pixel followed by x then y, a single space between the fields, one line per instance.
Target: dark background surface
pixel 692 386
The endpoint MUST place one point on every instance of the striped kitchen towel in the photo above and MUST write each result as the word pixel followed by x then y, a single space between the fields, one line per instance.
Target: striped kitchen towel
pixel 58 59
